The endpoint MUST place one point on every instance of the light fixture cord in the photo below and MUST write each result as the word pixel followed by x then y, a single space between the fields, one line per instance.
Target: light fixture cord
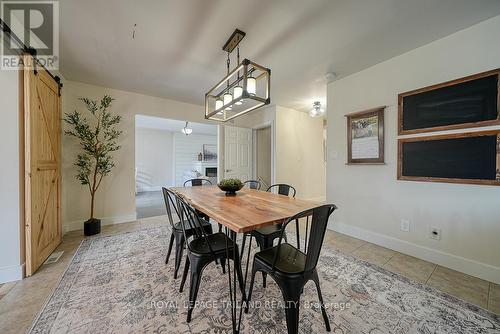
pixel 238 61
pixel 228 64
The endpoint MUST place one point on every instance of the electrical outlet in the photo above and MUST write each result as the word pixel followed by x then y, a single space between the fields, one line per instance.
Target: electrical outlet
pixel 405 225
pixel 435 233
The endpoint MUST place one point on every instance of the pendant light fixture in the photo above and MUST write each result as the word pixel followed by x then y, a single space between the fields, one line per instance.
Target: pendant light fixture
pixel 187 130
pixel 243 89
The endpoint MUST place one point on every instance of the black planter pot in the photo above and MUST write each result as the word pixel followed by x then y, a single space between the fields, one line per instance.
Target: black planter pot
pixel 92 227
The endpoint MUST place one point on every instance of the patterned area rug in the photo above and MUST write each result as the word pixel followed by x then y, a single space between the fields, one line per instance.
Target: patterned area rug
pixel 120 284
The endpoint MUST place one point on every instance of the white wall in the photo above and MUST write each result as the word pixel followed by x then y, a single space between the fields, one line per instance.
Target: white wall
pixel 372 202
pixel 115 201
pixel 299 153
pixel 10 190
pixel 298 142
pixel 186 150
pixel 154 159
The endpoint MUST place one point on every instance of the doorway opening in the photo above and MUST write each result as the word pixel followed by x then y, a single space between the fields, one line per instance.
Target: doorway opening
pixel 263 156
pixel 166 157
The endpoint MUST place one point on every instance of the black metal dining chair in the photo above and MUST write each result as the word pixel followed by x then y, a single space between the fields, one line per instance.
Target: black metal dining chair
pixel 265 236
pixel 203 249
pixel 252 184
pixel 282 189
pixel 197 182
pixel 291 268
pixel 177 229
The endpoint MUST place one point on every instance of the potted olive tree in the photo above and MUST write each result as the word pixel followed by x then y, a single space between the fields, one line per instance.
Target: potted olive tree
pixel 97 136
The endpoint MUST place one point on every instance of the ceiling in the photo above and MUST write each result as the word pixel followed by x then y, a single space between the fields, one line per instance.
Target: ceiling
pixel 177 49
pixel 149 122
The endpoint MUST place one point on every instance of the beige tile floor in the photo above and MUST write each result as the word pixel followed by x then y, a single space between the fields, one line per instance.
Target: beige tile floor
pixel 21 301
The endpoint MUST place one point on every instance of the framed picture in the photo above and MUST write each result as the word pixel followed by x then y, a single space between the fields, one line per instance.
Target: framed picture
pixel 365 137
pixel 209 152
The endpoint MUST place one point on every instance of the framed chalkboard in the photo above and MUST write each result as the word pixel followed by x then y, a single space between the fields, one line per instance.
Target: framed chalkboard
pixel 463 103
pixel 472 157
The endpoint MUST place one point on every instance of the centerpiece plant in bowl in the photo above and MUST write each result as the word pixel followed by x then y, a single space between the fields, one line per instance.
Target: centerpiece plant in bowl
pixel 230 186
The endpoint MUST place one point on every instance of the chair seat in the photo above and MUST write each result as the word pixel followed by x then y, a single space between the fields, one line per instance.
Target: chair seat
pixel 268 230
pixel 290 259
pixel 178 225
pixel 217 243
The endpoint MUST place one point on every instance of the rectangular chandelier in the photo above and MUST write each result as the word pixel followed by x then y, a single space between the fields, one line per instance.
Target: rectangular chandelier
pixel 245 88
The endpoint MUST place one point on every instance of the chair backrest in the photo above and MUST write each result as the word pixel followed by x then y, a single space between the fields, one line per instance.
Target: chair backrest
pixel 282 189
pixel 193 221
pixel 197 182
pixel 252 184
pixel 314 237
pixel 169 197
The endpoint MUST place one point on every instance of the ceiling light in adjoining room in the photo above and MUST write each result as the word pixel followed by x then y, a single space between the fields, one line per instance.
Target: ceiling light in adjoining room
pixel 187 130
pixel 243 89
pixel 316 110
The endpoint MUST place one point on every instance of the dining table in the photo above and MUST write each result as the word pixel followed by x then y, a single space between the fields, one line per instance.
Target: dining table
pixel 244 212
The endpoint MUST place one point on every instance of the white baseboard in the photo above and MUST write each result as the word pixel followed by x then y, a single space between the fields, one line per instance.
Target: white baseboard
pixel 458 263
pixel 78 224
pixel 11 273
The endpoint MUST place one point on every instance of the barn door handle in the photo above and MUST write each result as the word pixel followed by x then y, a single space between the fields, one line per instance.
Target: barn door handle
pixel 228 170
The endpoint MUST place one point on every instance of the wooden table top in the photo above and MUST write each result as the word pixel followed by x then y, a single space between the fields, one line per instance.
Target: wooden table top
pixel 248 210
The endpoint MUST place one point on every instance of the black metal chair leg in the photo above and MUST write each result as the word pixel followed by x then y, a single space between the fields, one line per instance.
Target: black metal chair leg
pixel 239 272
pixel 292 306
pixel 184 274
pixel 196 272
pixel 265 244
pixel 223 265
pixel 250 290
pixel 297 231
pixel 179 250
pixel 243 245
pixel 315 278
pixel 171 243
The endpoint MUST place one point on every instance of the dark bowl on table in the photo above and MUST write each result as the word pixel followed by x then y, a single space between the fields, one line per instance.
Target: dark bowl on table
pixel 230 189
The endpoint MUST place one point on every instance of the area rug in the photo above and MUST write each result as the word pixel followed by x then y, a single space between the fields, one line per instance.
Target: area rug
pixel 120 284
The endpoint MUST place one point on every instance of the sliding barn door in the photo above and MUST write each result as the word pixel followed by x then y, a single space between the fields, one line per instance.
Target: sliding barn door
pixel 42 166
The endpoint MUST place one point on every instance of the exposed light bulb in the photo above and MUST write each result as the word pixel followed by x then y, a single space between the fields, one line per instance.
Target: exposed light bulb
pixel 218 104
pixel 227 99
pixel 251 85
pixel 238 91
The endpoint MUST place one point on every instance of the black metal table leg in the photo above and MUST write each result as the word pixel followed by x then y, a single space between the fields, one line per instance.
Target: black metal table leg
pixel 235 318
pixel 245 281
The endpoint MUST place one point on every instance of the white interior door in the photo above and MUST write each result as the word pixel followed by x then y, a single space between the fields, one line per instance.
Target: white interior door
pixel 237 153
